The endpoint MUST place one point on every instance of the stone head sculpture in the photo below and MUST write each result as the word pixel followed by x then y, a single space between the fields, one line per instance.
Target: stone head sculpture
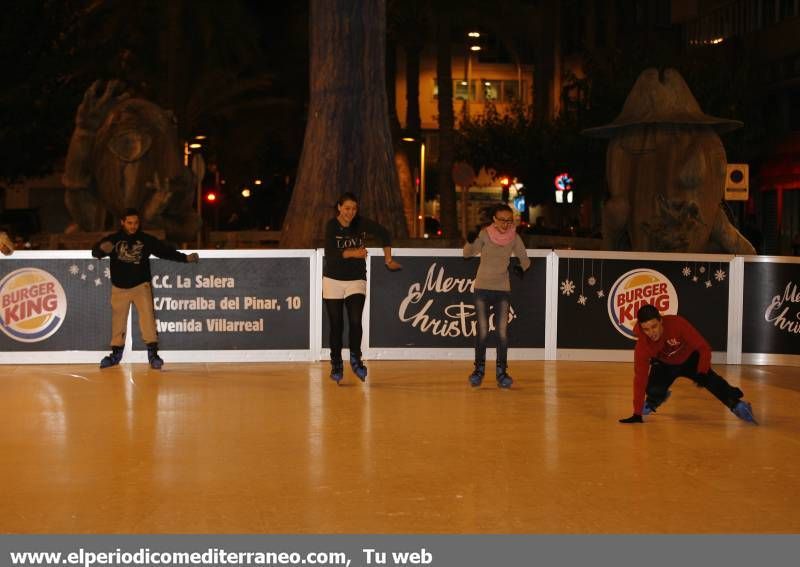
pixel 666 170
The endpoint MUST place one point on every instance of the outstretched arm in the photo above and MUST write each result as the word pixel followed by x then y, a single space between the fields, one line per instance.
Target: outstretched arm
pixel 163 250
pixel 378 230
pixel 391 264
pixel 641 368
pixel 474 244
pixel 521 253
pixel 103 247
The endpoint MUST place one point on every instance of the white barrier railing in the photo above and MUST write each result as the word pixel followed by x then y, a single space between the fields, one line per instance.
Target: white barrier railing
pixel 573 305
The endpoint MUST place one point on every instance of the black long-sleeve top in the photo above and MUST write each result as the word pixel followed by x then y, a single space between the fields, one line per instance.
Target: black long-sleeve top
pixel 339 238
pixel 130 258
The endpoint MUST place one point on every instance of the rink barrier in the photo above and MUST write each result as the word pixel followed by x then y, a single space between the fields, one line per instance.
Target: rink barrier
pixel 266 305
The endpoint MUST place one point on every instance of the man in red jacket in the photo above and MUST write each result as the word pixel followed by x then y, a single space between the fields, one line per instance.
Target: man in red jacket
pixel 669 347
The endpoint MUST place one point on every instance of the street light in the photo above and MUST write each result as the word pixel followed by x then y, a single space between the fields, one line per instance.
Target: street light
pixel 420 213
pixel 199 171
pixel 422 187
pixel 468 68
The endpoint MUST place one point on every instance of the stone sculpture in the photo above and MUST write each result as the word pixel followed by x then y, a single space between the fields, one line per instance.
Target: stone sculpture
pixel 666 171
pixel 125 153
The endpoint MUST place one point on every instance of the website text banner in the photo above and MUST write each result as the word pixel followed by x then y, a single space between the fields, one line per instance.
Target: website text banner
pixel 231 304
pixel 54 304
pixel 771 308
pixel 398 551
pixel 430 303
pixel 598 299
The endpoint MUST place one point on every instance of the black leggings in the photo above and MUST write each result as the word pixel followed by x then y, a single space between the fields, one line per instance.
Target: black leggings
pixel 355 308
pixel 500 301
pixel 663 375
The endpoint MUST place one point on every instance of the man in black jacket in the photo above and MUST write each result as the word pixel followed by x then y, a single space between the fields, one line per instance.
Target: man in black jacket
pixel 130 250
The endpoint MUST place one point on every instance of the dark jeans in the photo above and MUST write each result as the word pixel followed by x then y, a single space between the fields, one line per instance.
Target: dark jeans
pixel 501 302
pixel 663 375
pixel 355 308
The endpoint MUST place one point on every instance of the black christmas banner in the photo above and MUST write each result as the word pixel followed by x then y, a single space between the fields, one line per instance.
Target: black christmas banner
pixel 430 303
pixel 771 310
pixel 598 299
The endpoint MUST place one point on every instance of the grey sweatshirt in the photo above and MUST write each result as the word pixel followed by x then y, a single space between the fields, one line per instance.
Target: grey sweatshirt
pixel 493 269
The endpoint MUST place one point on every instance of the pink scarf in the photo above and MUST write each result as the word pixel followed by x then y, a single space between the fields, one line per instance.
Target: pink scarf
pixel 501 238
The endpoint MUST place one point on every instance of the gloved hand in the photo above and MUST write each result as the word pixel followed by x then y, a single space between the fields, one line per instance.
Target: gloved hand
pixel 635 418
pixel 518 271
pixel 192 258
pixel 472 236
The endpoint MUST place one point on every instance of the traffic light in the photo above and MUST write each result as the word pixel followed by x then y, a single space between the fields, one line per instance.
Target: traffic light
pixel 211 197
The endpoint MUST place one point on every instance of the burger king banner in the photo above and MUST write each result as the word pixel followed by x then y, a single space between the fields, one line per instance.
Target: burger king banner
pixel 53 305
pixel 598 298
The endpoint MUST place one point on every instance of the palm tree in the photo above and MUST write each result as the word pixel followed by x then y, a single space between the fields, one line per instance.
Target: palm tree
pixel 348 144
pixel 444 78
pixel 409 27
pixel 408 24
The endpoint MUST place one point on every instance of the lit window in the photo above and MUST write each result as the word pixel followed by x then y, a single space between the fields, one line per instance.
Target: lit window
pixel 460 90
pixel 491 89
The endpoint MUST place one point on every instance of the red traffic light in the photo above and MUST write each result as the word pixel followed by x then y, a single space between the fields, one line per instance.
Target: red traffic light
pixel 211 197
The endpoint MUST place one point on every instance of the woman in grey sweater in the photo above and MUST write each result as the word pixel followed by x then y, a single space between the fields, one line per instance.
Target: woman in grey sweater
pixel 495 244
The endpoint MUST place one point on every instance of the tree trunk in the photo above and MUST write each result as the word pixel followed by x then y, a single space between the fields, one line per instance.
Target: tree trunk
pixel 447 193
pixel 413 120
pixel 391 88
pixel 547 71
pixel 401 161
pixel 175 46
pixel 404 158
pixel 347 144
pixel 408 188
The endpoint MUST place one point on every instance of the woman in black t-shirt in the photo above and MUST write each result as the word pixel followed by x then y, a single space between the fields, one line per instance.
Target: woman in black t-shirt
pixel 344 281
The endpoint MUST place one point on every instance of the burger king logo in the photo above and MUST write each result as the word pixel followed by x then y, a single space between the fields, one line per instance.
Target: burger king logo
pixel 32 305
pixel 634 289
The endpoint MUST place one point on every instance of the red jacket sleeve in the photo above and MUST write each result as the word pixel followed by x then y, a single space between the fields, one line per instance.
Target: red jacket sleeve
pixel 641 369
pixel 695 341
